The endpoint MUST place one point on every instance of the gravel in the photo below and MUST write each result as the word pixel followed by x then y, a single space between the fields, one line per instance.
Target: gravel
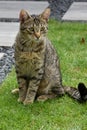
pixel 6 62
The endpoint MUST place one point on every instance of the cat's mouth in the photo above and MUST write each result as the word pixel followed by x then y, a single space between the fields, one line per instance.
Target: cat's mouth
pixel 37 39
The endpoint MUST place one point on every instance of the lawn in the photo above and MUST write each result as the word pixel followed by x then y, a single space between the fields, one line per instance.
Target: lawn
pixel 70 41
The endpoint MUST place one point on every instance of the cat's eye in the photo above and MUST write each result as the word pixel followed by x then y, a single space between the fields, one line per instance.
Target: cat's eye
pixel 42 29
pixel 31 29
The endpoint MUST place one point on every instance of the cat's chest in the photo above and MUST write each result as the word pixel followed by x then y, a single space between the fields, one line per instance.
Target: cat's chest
pixel 31 46
pixel 27 62
pixel 29 52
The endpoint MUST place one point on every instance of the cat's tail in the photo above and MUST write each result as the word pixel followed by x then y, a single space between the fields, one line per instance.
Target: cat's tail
pixel 79 93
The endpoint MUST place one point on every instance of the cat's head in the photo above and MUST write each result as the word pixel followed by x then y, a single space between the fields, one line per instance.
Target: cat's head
pixel 83 91
pixel 35 26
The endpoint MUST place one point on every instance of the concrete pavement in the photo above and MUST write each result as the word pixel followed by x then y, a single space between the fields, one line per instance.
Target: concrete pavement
pixel 11 9
pixel 76 12
pixel 8 31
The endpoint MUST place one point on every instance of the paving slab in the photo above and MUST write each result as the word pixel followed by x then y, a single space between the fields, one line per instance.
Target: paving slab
pixel 8 32
pixel 76 12
pixel 11 9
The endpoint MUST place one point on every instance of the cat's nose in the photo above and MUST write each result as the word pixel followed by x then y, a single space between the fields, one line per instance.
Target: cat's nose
pixel 37 34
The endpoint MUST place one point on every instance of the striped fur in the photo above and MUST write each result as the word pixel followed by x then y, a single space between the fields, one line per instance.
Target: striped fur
pixel 79 93
pixel 36 61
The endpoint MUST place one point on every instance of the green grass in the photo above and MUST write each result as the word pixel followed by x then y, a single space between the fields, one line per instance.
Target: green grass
pixel 56 114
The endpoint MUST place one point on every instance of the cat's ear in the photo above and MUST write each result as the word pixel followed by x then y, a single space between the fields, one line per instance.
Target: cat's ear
pixel 45 15
pixel 23 16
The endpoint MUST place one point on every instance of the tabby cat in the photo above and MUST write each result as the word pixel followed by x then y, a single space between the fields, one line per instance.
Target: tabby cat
pixel 36 61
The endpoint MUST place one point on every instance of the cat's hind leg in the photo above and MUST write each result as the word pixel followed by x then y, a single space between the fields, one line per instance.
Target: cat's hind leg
pixel 59 91
pixel 46 97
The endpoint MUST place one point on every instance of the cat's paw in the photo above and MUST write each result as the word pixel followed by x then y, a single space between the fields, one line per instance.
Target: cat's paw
pixel 46 97
pixel 20 100
pixel 15 91
pixel 42 98
pixel 27 102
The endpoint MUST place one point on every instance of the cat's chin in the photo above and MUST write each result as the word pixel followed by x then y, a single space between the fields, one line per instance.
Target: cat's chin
pixel 41 38
pixel 35 40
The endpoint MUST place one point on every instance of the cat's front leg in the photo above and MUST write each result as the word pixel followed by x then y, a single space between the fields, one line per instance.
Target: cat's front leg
pixel 34 81
pixel 22 89
pixel 31 91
